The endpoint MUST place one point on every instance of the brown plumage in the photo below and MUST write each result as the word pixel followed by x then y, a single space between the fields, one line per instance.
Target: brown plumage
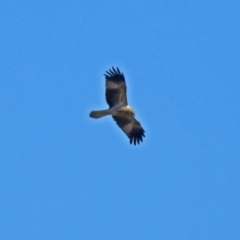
pixel 116 97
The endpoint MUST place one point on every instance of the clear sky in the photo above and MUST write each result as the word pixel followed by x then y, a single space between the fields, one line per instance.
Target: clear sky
pixel 64 175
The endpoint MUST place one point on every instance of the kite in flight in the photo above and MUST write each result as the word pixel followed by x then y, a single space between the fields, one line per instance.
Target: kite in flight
pixel 122 113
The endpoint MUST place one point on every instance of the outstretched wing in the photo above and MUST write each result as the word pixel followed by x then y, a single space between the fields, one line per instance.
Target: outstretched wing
pixel 116 90
pixel 132 128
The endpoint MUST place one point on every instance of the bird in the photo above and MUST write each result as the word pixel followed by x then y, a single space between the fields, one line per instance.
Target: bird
pixel 122 113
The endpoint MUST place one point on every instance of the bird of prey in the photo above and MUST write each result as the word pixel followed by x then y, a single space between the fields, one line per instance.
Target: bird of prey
pixel 122 113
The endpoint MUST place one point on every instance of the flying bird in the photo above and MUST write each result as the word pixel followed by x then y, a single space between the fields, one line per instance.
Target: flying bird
pixel 122 113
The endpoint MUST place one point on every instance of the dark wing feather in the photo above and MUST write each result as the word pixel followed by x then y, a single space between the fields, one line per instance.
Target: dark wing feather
pixel 132 128
pixel 116 90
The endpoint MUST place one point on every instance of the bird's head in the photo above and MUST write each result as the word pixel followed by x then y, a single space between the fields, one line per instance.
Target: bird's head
pixel 131 110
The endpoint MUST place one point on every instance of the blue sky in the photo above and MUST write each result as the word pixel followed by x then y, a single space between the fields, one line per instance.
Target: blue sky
pixel 64 175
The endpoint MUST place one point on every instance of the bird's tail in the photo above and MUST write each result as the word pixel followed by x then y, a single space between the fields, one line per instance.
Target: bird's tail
pixel 99 113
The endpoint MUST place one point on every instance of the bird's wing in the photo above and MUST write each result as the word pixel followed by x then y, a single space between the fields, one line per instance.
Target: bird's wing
pixel 116 90
pixel 132 128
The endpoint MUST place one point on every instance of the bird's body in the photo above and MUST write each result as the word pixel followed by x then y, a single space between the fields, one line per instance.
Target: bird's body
pixel 121 112
pixel 114 111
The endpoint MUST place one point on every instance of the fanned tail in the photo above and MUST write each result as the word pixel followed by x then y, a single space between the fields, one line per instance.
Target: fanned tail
pixel 99 113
